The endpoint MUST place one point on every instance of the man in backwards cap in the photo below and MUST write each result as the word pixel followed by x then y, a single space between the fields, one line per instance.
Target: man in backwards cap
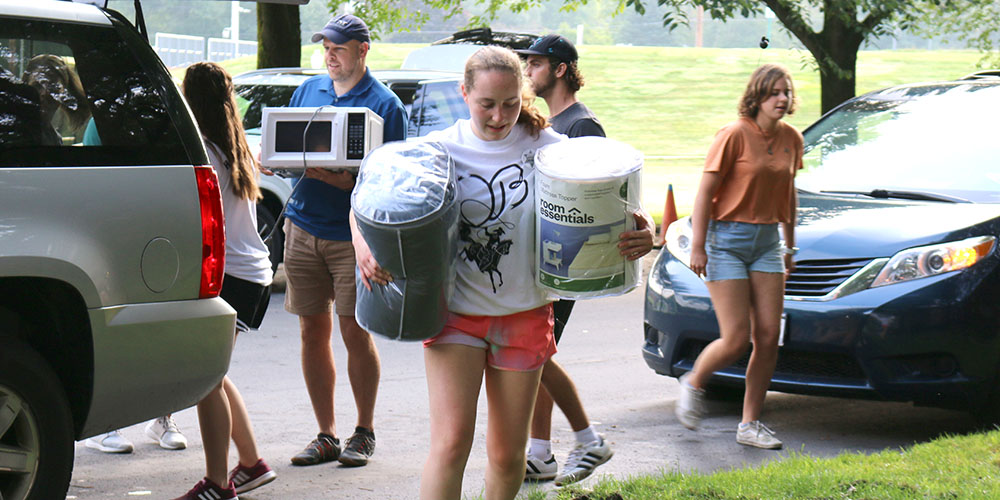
pixel 551 65
pixel 319 256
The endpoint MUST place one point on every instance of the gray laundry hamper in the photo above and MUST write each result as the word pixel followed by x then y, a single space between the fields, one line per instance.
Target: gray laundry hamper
pixel 404 204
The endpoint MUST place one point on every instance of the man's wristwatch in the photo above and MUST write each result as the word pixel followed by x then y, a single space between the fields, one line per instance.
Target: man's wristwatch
pixel 790 250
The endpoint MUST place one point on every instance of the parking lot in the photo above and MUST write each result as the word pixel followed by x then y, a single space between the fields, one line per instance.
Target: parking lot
pixel 632 407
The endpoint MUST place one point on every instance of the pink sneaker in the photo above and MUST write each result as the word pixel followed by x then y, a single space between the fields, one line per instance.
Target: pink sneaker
pixel 245 479
pixel 207 489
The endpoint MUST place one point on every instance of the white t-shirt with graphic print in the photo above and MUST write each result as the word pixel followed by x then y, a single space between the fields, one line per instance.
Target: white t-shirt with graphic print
pixel 496 184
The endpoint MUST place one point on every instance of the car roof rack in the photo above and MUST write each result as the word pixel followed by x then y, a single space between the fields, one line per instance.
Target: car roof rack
pixel 986 74
pixel 486 36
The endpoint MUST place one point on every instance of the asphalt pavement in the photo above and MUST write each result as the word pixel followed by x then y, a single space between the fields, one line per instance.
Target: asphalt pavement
pixel 628 403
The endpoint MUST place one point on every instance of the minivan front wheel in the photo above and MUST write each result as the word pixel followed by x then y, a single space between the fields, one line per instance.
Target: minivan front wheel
pixel 36 428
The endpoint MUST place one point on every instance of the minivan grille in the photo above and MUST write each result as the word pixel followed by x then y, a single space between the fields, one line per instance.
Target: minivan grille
pixel 816 278
pixel 793 364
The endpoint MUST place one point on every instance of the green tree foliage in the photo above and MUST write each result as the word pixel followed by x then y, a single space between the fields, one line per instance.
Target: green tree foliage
pixel 833 40
pixel 831 30
pixel 975 22
pixel 390 16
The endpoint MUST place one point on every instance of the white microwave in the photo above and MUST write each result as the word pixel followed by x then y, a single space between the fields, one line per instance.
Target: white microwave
pixel 326 137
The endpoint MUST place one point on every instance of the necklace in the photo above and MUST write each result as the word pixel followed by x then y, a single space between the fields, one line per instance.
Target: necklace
pixel 768 139
pixel 770 143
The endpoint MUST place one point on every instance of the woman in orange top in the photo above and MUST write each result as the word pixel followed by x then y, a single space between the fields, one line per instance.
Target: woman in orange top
pixel 747 190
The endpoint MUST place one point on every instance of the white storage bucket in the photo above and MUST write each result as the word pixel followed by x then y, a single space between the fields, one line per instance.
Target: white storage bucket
pixel 586 190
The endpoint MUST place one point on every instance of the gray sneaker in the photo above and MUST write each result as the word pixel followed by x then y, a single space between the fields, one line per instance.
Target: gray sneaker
pixel 359 448
pixel 165 432
pixel 757 434
pixel 690 405
pixel 111 442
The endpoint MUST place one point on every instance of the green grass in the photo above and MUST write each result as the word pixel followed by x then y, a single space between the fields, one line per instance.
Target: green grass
pixel 962 467
pixel 668 102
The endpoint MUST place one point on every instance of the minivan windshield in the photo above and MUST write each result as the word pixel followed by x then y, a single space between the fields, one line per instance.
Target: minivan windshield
pixel 939 141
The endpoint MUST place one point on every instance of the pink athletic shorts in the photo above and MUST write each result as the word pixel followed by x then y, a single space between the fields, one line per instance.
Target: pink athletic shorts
pixel 518 342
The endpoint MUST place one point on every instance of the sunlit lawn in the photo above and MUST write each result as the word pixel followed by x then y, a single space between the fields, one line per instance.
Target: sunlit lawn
pixel 956 467
pixel 669 101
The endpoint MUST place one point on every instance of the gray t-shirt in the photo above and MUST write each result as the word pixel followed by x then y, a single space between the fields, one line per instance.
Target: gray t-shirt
pixel 577 121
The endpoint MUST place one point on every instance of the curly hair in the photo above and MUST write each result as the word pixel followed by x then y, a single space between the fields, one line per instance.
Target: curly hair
pixel 572 77
pixel 495 58
pixel 759 88
pixel 208 89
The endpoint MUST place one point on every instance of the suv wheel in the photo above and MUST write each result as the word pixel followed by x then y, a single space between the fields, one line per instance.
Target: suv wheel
pixel 36 429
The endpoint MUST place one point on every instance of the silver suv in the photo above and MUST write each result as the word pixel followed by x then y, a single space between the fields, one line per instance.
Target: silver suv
pixel 111 241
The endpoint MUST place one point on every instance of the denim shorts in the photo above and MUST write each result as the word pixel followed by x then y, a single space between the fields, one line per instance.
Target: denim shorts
pixel 736 248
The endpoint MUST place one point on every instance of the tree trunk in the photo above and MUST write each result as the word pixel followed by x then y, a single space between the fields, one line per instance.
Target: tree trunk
pixel 841 37
pixel 279 39
pixel 835 49
pixel 837 78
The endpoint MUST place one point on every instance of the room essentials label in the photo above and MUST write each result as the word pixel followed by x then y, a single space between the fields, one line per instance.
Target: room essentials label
pixel 580 217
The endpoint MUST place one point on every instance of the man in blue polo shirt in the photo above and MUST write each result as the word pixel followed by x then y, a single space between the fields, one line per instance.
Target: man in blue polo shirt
pixel 319 256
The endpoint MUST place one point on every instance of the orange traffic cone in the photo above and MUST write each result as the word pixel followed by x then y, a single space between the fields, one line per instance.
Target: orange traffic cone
pixel 669 215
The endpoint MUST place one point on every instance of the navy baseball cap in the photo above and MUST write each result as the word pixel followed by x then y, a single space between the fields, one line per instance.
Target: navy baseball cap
pixel 342 29
pixel 556 46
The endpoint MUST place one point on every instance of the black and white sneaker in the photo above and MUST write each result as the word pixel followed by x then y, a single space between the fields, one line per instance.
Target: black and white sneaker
pixel 541 470
pixel 583 460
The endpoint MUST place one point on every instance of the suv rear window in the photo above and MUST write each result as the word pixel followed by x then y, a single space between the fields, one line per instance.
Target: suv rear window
pixel 76 94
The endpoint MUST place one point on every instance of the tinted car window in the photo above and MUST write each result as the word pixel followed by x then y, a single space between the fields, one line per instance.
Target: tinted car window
pixel 75 94
pixel 252 99
pixel 440 104
pixel 405 91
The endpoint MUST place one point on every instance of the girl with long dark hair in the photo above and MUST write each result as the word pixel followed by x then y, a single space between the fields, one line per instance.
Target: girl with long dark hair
pixel 246 286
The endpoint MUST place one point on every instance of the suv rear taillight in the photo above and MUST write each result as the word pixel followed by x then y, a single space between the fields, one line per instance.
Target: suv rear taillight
pixel 213 233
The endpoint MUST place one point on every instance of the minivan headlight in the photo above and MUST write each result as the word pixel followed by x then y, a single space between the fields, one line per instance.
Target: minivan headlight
pixel 931 260
pixel 678 239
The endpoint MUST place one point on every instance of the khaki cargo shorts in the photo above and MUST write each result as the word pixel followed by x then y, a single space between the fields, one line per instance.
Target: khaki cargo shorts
pixel 319 273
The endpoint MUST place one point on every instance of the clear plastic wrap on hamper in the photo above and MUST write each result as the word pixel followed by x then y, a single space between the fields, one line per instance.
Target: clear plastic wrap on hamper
pixel 404 205
pixel 586 190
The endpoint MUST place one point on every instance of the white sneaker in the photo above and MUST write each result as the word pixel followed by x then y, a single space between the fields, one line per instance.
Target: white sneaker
pixel 757 434
pixel 164 431
pixel 541 470
pixel 690 405
pixel 583 460
pixel 111 442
